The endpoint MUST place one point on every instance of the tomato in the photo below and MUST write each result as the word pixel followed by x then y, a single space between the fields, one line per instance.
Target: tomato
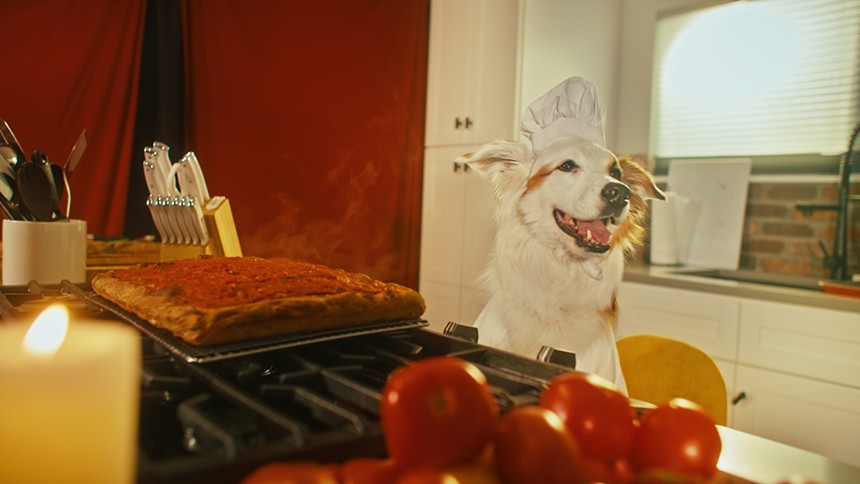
pixel 678 438
pixel 532 445
pixel 599 417
pixel 368 470
pixel 477 471
pixel 426 475
pixel 437 412
pixel 293 473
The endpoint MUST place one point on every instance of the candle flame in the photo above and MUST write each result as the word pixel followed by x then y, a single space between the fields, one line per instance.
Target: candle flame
pixel 48 331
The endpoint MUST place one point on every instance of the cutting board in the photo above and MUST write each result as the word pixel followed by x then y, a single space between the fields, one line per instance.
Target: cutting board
pixel 713 228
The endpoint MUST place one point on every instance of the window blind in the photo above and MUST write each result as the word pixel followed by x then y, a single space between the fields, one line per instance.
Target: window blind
pixel 760 77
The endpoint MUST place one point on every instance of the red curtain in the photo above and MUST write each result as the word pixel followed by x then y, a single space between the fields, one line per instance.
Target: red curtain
pixel 309 116
pixel 70 65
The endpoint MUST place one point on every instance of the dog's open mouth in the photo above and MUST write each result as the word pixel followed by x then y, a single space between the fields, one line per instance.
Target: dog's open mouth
pixel 591 235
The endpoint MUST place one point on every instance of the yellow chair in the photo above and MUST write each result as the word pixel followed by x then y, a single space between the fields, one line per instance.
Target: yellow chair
pixel 658 369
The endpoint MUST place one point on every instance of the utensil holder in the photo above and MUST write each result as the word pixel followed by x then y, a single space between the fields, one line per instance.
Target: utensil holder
pixel 223 239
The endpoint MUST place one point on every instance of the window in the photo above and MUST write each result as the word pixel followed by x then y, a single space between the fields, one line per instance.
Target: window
pixel 776 80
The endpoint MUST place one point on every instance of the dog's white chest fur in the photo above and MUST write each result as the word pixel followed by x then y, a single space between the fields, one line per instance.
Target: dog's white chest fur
pixel 538 301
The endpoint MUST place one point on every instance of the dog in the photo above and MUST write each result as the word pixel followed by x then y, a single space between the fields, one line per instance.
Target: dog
pixel 567 218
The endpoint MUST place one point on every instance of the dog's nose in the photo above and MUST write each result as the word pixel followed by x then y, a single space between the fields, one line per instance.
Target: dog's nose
pixel 616 194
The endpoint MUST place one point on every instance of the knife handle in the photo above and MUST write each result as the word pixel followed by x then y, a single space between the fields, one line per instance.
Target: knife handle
pixel 191 178
pixel 163 165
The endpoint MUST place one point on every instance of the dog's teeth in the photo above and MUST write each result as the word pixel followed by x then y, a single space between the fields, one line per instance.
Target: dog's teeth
pixel 588 236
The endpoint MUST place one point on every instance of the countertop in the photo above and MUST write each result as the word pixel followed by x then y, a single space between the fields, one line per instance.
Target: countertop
pixel 672 277
pixel 755 459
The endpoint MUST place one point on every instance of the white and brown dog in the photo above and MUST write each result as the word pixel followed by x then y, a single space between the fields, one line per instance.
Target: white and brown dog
pixel 568 214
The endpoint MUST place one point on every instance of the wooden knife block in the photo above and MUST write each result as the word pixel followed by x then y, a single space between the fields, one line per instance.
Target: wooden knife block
pixel 223 239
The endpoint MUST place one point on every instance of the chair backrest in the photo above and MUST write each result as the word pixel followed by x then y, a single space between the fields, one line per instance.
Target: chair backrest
pixel 658 369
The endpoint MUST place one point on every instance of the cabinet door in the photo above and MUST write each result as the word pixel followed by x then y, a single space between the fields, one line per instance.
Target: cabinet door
pixel 820 417
pixel 727 369
pixel 706 321
pixel 471 76
pixel 479 229
pixel 472 302
pixel 443 303
pixel 442 216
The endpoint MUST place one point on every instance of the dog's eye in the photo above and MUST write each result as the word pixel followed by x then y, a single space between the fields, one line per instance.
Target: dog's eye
pixel 615 172
pixel 568 165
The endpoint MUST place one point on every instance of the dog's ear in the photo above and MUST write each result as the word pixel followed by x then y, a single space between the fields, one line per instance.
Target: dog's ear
pixel 505 163
pixel 639 179
pixel 642 188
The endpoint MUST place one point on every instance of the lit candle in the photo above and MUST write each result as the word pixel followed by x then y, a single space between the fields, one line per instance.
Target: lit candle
pixel 69 399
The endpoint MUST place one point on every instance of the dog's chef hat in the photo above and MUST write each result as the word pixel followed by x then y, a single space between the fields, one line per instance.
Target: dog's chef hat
pixel 572 108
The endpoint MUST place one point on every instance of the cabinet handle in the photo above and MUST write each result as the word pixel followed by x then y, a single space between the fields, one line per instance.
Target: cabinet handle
pixel 740 396
pixel 464 166
pixel 466 123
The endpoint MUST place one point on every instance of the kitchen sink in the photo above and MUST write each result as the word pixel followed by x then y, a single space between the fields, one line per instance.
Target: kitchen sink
pixel 774 279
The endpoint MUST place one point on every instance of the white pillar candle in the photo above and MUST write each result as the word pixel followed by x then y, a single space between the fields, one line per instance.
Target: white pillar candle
pixel 68 413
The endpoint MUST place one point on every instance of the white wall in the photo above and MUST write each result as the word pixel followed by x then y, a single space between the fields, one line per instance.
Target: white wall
pixel 633 97
pixel 565 38
pixel 608 42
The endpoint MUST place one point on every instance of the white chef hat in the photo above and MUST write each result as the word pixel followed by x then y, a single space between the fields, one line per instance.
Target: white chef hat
pixel 572 108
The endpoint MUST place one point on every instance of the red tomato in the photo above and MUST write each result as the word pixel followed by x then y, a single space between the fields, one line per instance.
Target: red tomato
pixel 437 412
pixel 532 445
pixel 293 473
pixel 480 470
pixel 368 470
pixel 426 475
pixel 678 438
pixel 599 417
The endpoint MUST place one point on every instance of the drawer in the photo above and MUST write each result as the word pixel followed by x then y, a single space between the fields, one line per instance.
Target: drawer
pixel 709 322
pixel 818 343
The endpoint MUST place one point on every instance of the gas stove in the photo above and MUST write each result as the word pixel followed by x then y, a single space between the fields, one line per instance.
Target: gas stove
pixel 217 419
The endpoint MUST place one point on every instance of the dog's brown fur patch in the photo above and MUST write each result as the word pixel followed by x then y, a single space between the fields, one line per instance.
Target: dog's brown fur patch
pixel 631 232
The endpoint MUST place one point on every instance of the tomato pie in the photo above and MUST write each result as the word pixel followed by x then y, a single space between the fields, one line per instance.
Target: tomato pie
pixel 218 300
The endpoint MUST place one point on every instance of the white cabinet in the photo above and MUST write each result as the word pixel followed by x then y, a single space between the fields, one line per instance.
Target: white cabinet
pixel 471 99
pixel 813 342
pixel 457 232
pixel 471 71
pixel 797 367
pixel 706 321
pixel 807 413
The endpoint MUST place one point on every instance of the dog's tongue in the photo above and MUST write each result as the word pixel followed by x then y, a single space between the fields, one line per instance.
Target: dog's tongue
pixel 599 233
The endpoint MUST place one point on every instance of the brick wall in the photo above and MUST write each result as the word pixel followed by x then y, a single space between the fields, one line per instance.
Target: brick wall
pixel 779 238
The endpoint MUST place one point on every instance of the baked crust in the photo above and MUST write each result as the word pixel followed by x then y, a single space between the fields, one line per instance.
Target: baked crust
pixel 173 295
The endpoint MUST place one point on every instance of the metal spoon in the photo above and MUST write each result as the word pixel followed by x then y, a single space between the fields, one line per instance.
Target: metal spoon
pixel 36 190
pixel 8 160
pixel 11 140
pixel 8 154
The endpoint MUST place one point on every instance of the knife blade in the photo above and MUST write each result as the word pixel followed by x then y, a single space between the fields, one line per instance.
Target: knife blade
pixel 75 155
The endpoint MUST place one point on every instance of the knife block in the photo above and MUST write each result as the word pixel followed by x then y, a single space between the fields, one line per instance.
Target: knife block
pixel 223 239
